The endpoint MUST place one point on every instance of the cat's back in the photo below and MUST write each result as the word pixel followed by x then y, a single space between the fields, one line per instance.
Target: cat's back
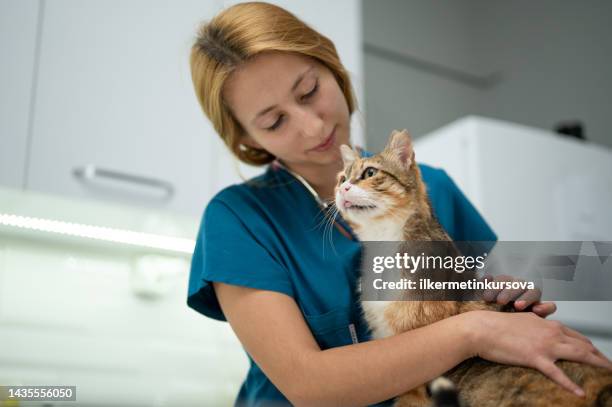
pixel 483 383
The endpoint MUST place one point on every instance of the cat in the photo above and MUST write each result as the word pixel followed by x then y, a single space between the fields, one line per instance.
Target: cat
pixel 383 198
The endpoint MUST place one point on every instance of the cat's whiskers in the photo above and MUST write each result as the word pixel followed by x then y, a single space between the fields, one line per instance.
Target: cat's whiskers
pixel 329 213
pixel 325 212
pixel 329 225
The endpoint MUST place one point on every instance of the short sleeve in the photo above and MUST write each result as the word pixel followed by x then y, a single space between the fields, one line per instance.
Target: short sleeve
pixel 469 224
pixel 228 251
pixel 455 212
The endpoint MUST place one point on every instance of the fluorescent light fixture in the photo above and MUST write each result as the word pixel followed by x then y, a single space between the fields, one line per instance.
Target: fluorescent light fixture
pixel 128 237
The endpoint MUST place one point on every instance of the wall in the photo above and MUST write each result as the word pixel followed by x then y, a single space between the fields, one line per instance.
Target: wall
pixel 535 63
pixel 408 94
pixel 555 57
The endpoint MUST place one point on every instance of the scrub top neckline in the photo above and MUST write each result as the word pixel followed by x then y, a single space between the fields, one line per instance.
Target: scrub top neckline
pixel 324 205
pixel 278 164
pixel 339 222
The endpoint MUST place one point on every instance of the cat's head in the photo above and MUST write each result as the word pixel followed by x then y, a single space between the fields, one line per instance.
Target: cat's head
pixel 384 186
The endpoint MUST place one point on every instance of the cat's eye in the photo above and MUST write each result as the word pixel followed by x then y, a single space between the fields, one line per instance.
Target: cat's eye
pixel 342 179
pixel 369 172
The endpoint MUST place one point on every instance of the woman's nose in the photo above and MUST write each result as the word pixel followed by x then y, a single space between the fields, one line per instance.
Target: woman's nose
pixel 310 124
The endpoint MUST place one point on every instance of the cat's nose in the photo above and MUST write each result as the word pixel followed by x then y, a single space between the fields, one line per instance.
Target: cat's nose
pixel 347 187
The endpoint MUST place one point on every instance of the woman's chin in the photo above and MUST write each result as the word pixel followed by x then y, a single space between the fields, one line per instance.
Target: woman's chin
pixel 329 157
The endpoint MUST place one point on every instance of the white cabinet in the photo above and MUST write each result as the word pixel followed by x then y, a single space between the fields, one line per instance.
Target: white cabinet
pixel 529 183
pixel 115 101
pixel 532 185
pixel 18 22
pixel 108 317
pixel 70 315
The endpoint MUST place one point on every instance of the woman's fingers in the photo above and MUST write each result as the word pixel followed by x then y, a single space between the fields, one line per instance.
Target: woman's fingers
pixel 573 346
pixel 493 294
pixel 575 334
pixel 595 358
pixel 542 309
pixel 510 294
pixel 552 371
pixel 528 298
pixel 598 353
pixel 577 350
pixel 489 295
pixel 523 298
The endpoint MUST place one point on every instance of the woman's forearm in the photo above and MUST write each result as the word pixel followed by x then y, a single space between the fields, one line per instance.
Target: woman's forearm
pixel 377 370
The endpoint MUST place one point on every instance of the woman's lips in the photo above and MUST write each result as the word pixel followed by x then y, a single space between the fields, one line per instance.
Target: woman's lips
pixel 327 144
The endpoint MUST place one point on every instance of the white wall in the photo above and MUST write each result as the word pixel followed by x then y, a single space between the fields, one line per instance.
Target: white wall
pixel 553 57
pixel 404 96
pixel 16 84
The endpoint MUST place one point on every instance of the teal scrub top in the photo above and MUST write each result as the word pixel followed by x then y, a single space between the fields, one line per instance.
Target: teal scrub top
pixel 269 233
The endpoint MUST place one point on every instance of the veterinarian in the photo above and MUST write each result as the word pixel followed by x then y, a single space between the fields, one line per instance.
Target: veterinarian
pixel 278 95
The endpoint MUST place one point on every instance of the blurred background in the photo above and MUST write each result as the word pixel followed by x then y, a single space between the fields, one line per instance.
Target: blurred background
pixel 107 162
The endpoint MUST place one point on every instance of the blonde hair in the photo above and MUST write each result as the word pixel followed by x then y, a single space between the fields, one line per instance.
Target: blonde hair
pixel 239 33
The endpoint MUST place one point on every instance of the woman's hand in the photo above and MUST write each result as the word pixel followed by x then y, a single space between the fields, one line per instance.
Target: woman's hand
pixel 523 299
pixel 525 339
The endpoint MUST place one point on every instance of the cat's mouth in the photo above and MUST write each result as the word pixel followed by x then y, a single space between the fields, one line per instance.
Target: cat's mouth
pixel 350 205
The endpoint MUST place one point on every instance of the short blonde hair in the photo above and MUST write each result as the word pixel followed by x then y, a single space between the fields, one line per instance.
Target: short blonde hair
pixel 239 33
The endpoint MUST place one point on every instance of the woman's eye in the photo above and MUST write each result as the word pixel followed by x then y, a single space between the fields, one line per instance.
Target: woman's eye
pixel 312 92
pixel 276 124
pixel 369 172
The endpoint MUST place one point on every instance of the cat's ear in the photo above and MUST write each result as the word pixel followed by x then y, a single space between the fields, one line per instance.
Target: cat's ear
pixel 348 154
pixel 400 146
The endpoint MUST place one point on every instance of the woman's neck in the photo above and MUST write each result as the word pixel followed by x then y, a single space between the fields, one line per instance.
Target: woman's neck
pixel 322 178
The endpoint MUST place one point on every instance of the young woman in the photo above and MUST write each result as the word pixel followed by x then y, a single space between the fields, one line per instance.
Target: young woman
pixel 277 93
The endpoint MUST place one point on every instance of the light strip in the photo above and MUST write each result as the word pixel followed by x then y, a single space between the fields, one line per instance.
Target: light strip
pixel 128 237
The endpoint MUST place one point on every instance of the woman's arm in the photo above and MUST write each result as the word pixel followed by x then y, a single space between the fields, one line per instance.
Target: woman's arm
pixel 272 329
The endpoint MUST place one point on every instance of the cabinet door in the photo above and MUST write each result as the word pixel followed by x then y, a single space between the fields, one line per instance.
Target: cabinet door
pixel 71 315
pixel 18 22
pixel 116 117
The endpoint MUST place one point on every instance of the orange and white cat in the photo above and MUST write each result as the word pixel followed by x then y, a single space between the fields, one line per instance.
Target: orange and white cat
pixel 384 198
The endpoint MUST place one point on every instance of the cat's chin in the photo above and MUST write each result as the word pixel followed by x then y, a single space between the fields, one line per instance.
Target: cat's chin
pixel 360 214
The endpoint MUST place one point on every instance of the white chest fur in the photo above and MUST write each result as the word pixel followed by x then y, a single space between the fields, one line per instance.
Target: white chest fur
pixel 381 230
pixel 374 313
pixel 387 230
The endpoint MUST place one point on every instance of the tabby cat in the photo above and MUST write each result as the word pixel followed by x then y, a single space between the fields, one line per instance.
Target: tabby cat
pixel 383 198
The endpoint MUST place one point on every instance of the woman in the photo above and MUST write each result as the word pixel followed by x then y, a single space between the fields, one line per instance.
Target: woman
pixel 277 93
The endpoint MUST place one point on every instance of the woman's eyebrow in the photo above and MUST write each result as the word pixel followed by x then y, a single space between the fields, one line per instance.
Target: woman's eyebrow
pixel 295 85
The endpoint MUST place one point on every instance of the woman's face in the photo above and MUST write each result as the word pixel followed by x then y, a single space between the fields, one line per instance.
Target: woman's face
pixel 291 106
